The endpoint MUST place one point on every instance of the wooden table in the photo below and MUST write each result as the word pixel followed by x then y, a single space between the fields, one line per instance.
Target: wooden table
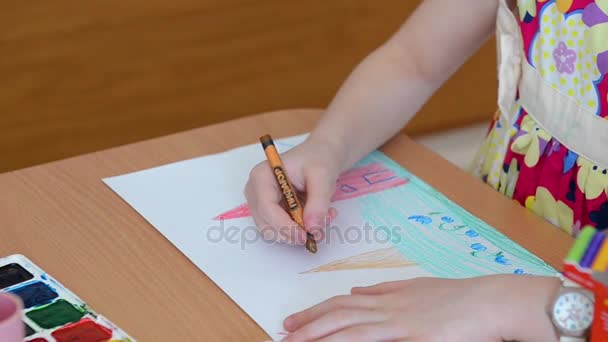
pixel 66 220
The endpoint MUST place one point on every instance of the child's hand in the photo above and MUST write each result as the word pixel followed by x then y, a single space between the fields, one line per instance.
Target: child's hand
pixel 493 308
pixel 312 169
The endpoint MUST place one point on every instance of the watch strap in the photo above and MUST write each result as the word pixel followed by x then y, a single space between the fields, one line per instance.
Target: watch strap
pixel 567 282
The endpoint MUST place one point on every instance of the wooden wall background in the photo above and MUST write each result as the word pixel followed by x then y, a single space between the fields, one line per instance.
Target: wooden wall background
pixel 79 76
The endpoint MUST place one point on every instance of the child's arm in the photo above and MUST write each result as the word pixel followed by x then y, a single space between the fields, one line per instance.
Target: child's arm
pixel 491 308
pixel 387 89
pixel 378 99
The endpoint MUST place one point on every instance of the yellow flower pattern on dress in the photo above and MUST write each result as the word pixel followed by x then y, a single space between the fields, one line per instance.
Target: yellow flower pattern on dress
pixel 526 8
pixel 595 16
pixel 509 179
pixel 556 54
pixel 489 147
pixel 556 212
pixel 566 43
pixel 489 157
pixel 531 142
pixel 592 180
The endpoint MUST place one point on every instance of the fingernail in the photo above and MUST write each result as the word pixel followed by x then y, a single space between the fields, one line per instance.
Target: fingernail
pixel 288 322
pixel 316 222
pixel 331 215
pixel 328 220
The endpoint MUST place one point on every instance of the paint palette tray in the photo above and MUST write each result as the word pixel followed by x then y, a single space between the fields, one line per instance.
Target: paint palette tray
pixel 52 313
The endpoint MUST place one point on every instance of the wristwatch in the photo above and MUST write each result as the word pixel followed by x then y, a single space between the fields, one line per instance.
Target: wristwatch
pixel 572 312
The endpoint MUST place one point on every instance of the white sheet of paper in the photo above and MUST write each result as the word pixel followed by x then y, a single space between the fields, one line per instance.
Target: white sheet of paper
pixel 269 281
pixel 265 280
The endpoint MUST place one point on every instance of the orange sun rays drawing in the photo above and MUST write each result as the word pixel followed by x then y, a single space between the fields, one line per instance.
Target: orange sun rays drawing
pixel 383 258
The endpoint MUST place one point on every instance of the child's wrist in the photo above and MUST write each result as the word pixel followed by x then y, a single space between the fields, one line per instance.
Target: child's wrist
pixel 333 147
pixel 524 311
pixel 544 289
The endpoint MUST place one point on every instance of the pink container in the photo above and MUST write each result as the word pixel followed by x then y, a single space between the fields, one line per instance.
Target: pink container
pixel 11 326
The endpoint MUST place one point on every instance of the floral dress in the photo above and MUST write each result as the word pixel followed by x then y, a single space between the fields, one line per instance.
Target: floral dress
pixel 547 147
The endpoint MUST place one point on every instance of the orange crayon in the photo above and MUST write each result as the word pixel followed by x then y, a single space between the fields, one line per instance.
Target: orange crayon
pixel 601 260
pixel 294 208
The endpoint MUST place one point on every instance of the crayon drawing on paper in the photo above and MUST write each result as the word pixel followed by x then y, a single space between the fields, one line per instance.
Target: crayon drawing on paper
pixel 390 226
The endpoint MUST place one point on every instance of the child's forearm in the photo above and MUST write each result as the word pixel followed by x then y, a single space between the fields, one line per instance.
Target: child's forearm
pixel 376 101
pixel 390 85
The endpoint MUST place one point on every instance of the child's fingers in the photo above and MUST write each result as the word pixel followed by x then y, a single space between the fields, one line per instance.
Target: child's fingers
pixel 332 213
pixel 278 234
pixel 275 224
pixel 301 318
pixel 382 331
pixel 262 186
pixel 287 230
pixel 319 189
pixel 334 321
pixel 268 232
pixel 272 220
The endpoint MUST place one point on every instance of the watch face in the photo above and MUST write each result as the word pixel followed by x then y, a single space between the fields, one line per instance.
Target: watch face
pixel 573 312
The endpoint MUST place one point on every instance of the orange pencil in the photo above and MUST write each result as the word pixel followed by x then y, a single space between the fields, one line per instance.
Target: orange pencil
pixel 293 204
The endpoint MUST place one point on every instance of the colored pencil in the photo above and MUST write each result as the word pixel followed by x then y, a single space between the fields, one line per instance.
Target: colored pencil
pixel 580 245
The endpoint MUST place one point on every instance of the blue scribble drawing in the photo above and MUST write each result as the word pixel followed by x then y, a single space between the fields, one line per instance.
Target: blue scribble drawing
pixel 440 236
pixel 478 247
pixel 447 219
pixel 501 259
pixel 471 233
pixel 420 219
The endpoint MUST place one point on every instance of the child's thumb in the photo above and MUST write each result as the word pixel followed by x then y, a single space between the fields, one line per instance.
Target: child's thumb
pixel 319 189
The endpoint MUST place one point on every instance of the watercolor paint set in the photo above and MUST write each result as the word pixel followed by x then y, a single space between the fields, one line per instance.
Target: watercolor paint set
pixel 51 312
